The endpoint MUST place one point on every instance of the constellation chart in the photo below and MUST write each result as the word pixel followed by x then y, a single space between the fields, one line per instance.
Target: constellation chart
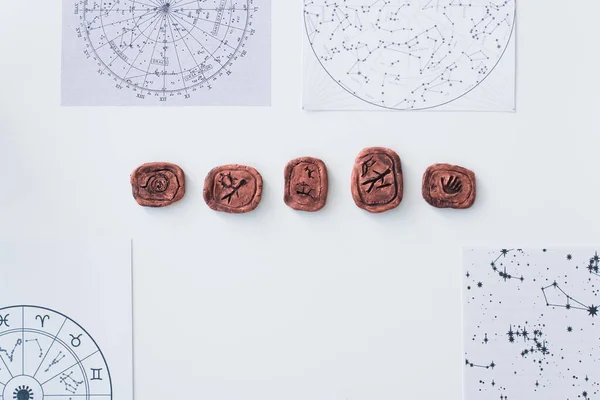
pixel 534 337
pixel 163 51
pixel 39 357
pixel 408 54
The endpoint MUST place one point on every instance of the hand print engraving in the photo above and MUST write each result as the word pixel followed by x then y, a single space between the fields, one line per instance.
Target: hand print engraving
pixel 449 186
pixel 158 184
pixel 306 184
pixel 453 186
pixel 377 183
pixel 233 189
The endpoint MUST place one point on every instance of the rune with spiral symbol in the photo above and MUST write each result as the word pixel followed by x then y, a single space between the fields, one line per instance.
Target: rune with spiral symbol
pixel 165 48
pixel 158 184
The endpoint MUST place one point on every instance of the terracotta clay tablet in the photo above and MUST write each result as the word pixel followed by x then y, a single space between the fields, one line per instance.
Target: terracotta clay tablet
pixel 233 189
pixel 158 184
pixel 306 184
pixel 449 186
pixel 377 184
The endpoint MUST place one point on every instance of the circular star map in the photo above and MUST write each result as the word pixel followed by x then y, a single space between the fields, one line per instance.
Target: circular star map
pixel 409 54
pixel 164 48
pixel 46 355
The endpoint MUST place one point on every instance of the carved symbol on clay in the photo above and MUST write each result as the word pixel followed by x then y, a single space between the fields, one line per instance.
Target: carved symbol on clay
pixel 366 167
pixel 229 182
pixel 379 178
pixel 309 172
pixel 304 189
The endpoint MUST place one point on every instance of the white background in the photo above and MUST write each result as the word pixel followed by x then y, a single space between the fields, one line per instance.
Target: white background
pixel 279 304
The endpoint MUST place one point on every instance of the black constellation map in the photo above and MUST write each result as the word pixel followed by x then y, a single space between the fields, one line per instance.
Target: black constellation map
pixel 409 54
pixel 161 50
pixel 534 313
pixel 40 360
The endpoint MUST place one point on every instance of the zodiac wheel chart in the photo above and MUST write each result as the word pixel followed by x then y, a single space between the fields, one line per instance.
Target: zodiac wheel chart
pixel 409 54
pixel 46 355
pixel 165 48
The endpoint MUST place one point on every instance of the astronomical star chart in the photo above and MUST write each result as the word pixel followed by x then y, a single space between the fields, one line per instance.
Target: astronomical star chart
pixel 165 48
pixel 531 324
pixel 409 54
pixel 46 355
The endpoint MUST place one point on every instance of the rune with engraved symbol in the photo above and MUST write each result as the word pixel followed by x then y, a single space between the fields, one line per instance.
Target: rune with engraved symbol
pixel 233 189
pixel 377 183
pixel 306 184
pixel 449 186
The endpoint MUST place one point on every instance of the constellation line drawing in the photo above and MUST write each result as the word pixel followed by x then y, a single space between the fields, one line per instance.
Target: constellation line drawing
pixel 408 54
pixel 503 274
pixel 38 344
pixel 11 355
pixel 55 361
pixel 570 303
pixel 71 385
pixel 491 365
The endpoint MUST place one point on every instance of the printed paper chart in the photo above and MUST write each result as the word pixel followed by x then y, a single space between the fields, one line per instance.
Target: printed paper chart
pixel 409 54
pixel 531 324
pixel 165 52
pixel 45 354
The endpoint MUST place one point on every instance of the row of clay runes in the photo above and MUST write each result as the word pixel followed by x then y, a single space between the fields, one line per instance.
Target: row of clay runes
pixel 377 184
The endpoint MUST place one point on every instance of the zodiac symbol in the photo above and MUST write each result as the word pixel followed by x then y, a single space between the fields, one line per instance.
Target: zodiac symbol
pixel 42 319
pixel 96 374
pixel 379 178
pixel 453 186
pixel 4 320
pixel 228 182
pixel 75 340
